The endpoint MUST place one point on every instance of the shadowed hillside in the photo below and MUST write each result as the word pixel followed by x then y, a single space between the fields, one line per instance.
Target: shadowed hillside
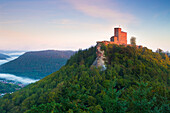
pixel 37 64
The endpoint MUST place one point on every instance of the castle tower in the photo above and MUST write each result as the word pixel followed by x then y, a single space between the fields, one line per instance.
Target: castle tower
pixel 117 33
pixel 119 37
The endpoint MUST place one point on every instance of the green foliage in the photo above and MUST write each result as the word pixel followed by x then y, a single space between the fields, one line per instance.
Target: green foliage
pixel 136 80
pixel 85 57
pixel 111 101
pixel 7 87
pixel 143 100
pixel 46 108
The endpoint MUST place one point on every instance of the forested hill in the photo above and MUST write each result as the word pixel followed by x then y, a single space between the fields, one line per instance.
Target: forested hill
pixel 135 81
pixel 3 57
pixel 37 64
pixel 8 88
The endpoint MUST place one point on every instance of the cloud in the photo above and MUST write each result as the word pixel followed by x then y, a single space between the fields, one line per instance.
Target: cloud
pixel 14 53
pixel 11 22
pixel 13 39
pixel 62 22
pixel 70 23
pixel 98 9
pixel 16 78
pixel 7 60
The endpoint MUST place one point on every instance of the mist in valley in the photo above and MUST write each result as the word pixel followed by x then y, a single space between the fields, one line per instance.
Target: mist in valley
pixel 23 80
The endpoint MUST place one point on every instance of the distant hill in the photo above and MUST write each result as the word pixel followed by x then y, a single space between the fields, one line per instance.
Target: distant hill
pixel 135 81
pixel 3 57
pixel 36 64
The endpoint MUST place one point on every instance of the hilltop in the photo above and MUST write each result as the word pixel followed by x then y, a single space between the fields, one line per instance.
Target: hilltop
pixel 37 64
pixel 135 80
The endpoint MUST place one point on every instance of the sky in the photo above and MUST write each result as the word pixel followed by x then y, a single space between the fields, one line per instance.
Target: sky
pixel 78 24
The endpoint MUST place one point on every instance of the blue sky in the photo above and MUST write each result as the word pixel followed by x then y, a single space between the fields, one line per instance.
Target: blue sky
pixel 74 24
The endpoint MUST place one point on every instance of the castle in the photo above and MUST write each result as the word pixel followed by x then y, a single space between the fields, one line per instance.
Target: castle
pixel 119 38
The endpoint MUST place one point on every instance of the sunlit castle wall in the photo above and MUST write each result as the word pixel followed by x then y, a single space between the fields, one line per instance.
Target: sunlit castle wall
pixel 119 37
pixel 123 38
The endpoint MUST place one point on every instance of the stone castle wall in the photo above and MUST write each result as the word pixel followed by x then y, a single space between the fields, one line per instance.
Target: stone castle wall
pixel 119 37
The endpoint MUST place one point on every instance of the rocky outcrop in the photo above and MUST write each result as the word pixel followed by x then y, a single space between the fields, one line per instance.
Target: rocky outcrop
pixel 100 60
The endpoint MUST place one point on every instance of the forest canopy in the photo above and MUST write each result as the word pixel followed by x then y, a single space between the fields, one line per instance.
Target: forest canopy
pixel 136 80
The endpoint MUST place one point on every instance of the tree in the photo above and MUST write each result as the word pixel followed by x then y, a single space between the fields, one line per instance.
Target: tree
pixel 133 41
pixel 159 50
pixel 111 102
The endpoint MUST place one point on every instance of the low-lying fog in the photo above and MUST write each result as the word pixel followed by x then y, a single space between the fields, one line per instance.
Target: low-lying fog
pixel 13 55
pixel 7 60
pixel 23 80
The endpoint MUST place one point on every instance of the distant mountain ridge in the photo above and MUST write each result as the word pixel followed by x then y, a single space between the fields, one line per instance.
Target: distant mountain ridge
pixel 37 64
pixel 3 57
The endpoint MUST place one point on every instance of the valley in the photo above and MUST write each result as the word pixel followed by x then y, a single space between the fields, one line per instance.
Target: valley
pixel 21 69
pixel 36 64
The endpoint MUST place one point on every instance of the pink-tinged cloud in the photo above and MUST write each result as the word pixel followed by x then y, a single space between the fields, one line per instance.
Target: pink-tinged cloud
pixel 13 40
pixel 11 22
pixel 98 9
pixel 62 22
